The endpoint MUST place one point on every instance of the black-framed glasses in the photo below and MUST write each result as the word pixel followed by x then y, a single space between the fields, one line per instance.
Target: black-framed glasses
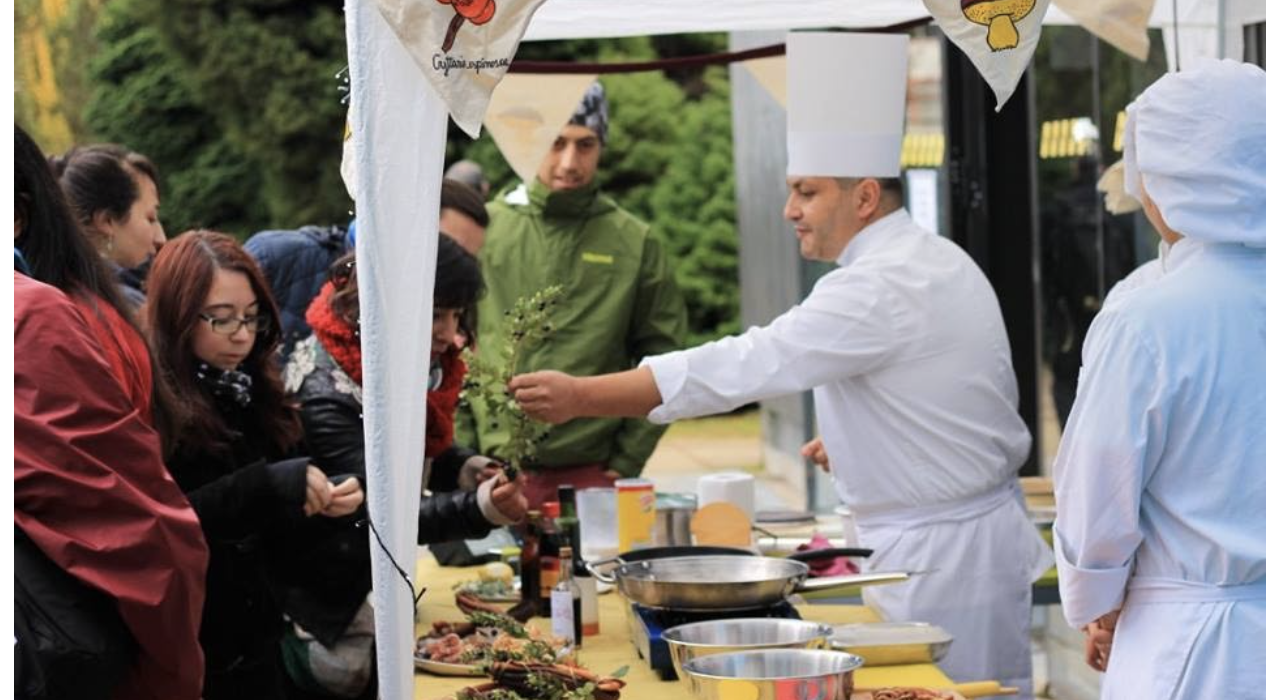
pixel 229 325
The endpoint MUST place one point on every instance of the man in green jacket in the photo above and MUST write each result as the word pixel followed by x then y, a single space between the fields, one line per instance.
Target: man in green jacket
pixel 620 303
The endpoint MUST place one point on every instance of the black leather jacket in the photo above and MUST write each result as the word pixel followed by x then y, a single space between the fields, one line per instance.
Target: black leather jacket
pixel 330 582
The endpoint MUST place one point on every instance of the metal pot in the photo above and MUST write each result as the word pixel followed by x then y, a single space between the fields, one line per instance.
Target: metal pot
pixel 727 582
pixel 674 512
pixel 774 674
pixel 741 634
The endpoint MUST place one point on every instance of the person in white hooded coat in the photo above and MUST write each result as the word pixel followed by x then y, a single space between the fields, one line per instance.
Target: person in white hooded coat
pixel 1160 478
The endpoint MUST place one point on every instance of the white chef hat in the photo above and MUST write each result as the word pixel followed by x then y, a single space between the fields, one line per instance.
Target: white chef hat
pixel 845 103
pixel 1197 139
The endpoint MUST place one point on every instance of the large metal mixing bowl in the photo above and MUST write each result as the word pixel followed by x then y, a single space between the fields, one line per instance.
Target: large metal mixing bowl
pixel 774 674
pixel 741 634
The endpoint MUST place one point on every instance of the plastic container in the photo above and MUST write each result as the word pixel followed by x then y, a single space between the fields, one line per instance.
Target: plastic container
pixel 636 513
pixel 893 643
pixel 597 510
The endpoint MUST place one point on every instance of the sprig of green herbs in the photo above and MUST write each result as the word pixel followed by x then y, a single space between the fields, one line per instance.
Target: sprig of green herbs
pixel 526 325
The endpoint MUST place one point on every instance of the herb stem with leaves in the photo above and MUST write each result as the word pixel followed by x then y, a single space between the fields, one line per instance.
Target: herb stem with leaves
pixel 526 325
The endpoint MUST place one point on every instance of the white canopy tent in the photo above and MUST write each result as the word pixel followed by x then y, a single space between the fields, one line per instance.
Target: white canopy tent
pixel 399 127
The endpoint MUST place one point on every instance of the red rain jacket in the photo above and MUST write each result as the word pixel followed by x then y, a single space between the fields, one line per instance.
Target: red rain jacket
pixel 91 491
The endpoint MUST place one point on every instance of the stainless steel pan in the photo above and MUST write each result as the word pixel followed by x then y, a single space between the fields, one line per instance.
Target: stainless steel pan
pixel 727 582
pixel 604 568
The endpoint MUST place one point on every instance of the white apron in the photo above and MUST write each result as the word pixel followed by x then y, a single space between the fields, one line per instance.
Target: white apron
pixel 1215 642
pixel 977 589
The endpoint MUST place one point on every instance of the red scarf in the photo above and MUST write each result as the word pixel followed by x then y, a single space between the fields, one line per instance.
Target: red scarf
pixel 341 343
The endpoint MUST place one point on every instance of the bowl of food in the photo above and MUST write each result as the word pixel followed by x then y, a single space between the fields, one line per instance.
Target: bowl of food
pixel 741 634
pixel 773 674
pixel 893 643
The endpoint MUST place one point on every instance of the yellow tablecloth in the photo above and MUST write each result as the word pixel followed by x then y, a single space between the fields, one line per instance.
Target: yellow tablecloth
pixel 612 648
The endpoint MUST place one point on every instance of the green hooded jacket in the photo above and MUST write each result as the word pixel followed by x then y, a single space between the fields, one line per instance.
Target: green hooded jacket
pixel 621 303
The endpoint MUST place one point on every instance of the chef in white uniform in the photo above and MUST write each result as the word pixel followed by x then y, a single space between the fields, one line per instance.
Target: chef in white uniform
pixel 1161 475
pixel 905 349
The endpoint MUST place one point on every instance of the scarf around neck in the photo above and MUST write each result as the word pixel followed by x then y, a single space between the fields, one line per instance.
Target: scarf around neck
pixel 341 342
pixel 226 385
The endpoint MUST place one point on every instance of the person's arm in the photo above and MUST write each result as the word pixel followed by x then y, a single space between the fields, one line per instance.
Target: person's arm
pixel 91 490
pixel 252 498
pixel 1111 446
pixel 333 434
pixel 556 397
pixel 845 328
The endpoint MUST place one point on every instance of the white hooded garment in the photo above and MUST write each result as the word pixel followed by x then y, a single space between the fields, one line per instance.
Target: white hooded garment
pixel 906 352
pixel 1161 474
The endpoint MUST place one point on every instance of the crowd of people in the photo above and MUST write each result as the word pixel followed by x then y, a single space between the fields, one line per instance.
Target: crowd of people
pixel 189 442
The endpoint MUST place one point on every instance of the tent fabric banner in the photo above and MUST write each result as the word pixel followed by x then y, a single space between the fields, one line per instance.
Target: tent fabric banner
pixel 771 73
pixel 464 47
pixel 398 136
pixel 526 114
pixel 593 19
pixel 999 36
pixel 1123 24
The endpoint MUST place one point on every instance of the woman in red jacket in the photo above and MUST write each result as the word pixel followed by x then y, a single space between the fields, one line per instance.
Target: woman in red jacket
pixel 90 489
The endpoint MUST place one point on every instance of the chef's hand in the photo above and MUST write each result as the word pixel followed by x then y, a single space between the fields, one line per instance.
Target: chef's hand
pixel 317 491
pixel 548 396
pixel 1100 640
pixel 813 450
pixel 345 498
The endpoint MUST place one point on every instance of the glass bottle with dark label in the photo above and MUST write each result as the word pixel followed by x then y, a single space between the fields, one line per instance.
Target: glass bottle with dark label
pixel 530 564
pixel 551 541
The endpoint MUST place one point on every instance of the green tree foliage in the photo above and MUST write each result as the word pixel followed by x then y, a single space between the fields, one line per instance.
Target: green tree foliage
pixel 142 99
pixel 51 82
pixel 266 69
pixel 694 205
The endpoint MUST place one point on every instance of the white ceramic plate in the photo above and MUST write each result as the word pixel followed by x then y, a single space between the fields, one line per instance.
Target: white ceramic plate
pixel 442 668
pixel 511 597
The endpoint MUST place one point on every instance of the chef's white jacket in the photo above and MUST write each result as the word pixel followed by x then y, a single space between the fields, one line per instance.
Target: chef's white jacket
pixel 905 349
pixel 1161 479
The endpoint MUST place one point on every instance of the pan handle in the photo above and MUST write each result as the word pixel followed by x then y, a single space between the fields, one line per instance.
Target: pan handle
pixel 812 554
pixel 594 566
pixel 831 582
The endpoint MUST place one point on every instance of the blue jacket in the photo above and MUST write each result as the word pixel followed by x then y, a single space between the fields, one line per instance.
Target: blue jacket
pixel 295 263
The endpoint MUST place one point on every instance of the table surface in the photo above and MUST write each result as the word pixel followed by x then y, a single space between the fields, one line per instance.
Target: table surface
pixel 611 648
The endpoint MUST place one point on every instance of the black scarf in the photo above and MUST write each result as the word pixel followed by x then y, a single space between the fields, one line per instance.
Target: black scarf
pixel 228 385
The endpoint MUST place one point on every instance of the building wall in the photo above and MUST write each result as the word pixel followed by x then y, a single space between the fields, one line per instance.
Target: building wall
pixel 771 274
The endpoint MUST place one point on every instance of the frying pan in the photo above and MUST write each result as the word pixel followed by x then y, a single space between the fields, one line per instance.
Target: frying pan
pixel 604 572
pixel 727 582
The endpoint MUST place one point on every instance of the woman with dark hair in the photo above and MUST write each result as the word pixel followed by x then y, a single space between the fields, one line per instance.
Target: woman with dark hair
pixel 115 194
pixel 56 252
pixel 214 326
pixel 91 493
pixel 326 598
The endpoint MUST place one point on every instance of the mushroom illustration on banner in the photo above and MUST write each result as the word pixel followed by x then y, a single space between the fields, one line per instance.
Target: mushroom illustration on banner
pixel 476 11
pixel 999 16
pixel 999 36
pixel 463 47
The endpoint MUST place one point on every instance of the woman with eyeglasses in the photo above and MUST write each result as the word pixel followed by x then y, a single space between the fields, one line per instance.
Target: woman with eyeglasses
pixel 324 373
pixel 115 193
pixel 214 328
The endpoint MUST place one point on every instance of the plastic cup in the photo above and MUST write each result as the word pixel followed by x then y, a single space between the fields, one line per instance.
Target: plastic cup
pixel 597 511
